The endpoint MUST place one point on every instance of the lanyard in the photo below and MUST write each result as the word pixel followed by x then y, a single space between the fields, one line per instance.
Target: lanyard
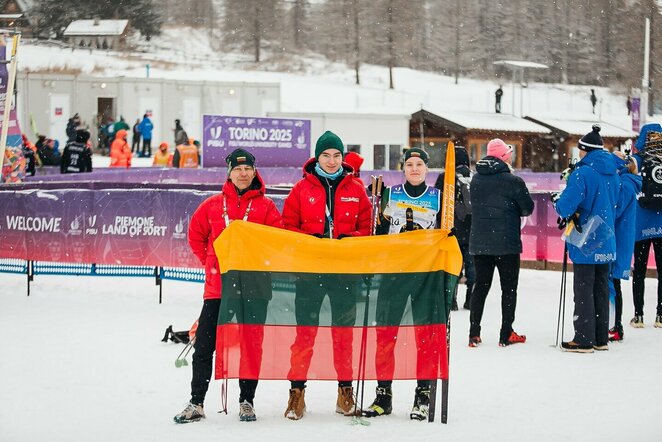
pixel 225 211
pixel 328 217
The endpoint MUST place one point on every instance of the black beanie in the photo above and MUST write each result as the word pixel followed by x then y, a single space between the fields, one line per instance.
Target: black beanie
pixel 240 157
pixel 82 136
pixel 592 140
pixel 461 157
pixel 417 153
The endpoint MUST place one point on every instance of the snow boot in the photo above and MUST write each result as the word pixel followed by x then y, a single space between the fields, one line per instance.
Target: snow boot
pixel 603 347
pixel 383 403
pixel 475 341
pixel 246 412
pixel 637 322
pixel 573 347
pixel 296 406
pixel 658 321
pixel 514 338
pixel 421 404
pixel 192 413
pixel 345 403
pixel 616 334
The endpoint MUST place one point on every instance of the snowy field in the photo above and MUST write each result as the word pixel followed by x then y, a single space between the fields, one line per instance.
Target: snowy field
pixel 83 360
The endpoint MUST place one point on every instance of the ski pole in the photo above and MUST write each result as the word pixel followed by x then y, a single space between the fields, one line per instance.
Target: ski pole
pixel 179 362
pixel 561 316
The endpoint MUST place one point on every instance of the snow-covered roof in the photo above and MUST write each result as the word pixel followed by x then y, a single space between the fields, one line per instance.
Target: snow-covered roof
pixel 96 27
pixel 490 121
pixel 522 64
pixel 580 127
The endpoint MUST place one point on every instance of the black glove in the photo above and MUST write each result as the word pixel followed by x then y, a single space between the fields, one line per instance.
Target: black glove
pixel 562 222
pixel 555 197
pixel 317 235
pixel 342 235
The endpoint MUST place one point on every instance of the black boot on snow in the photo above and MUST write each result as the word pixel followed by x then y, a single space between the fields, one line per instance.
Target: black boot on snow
pixel 421 404
pixel 383 403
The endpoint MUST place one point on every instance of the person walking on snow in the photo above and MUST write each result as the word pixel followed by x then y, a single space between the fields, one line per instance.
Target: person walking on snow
pixel 242 198
pixel 329 202
pixel 498 200
pixel 410 206
pixel 590 198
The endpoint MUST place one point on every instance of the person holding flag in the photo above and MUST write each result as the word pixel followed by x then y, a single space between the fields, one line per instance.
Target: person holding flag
pixel 329 202
pixel 242 198
pixel 406 207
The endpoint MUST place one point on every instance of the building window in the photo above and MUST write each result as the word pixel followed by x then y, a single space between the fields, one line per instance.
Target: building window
pixel 379 157
pixel 394 156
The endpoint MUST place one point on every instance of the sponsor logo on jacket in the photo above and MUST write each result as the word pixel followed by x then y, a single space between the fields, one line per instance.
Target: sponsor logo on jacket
pixel 349 199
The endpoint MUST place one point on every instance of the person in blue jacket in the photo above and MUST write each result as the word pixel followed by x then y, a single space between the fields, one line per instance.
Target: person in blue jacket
pixel 591 194
pixel 647 233
pixel 625 226
pixel 146 128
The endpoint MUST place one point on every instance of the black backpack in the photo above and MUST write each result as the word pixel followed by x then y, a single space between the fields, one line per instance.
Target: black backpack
pixel 462 197
pixel 651 173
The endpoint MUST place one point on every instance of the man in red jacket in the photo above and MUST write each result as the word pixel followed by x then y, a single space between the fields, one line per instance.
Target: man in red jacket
pixel 242 197
pixel 327 203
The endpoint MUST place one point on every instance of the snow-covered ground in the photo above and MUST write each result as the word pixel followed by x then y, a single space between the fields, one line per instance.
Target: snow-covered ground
pixel 82 360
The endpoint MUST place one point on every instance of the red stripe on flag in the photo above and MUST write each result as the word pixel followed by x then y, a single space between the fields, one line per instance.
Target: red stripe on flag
pixel 330 353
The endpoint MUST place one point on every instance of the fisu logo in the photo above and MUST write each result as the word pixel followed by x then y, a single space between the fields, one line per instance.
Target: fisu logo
pixel 216 132
pixel 92 220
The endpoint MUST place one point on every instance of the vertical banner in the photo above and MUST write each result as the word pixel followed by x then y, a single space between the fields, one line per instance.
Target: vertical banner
pixel 13 166
pixel 636 119
pixel 275 142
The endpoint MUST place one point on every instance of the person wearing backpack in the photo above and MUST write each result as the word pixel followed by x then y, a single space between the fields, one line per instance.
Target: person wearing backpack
pixel 462 220
pixel 649 219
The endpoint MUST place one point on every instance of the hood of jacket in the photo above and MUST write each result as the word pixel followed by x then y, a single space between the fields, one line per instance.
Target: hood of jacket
pixel 599 160
pixel 640 144
pixel 491 166
pixel 121 134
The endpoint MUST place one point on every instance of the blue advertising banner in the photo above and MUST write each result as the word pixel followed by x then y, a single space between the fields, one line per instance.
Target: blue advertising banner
pixel 275 142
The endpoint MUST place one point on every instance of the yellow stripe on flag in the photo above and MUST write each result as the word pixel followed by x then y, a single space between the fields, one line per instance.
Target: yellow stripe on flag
pixel 264 248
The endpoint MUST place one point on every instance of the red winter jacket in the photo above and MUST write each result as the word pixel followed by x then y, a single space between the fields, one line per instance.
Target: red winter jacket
pixel 305 206
pixel 208 222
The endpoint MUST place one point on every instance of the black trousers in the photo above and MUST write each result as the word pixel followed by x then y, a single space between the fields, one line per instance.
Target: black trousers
pixel 618 303
pixel 508 266
pixel 641 250
pixel 135 145
pixel 203 356
pixel 147 147
pixel 591 317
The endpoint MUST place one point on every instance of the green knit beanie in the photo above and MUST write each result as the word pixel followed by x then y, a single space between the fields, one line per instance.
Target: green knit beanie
pixel 328 140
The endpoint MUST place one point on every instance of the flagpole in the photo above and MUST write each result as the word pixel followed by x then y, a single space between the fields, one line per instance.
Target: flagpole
pixel 9 96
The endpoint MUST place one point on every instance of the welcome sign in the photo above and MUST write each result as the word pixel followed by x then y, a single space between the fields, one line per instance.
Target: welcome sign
pixel 275 142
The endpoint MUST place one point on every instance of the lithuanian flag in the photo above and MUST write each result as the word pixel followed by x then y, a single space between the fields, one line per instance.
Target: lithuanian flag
pixel 294 306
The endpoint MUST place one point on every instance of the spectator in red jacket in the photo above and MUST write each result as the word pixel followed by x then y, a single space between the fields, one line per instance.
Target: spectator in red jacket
pixel 242 197
pixel 329 202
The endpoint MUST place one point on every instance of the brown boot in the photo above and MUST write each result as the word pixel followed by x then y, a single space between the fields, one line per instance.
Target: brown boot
pixel 296 406
pixel 345 404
